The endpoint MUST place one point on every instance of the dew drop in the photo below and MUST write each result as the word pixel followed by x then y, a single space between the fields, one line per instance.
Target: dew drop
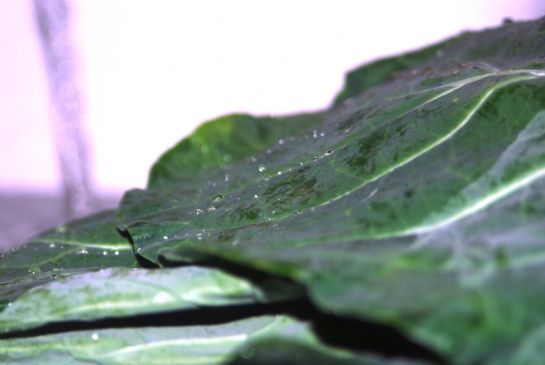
pixel 104 253
pixel 199 236
pixel 94 336
pixel 281 141
pixel 83 251
pixel 315 134
pixel 253 159
pixel 279 173
pixel 139 249
pixel 10 304
pixel 256 196
pixel 165 237
pixel 51 245
pixel 61 228
pixel 261 168
pixel 322 134
pixel 226 178
pixel 198 211
pixel 116 253
pixel 211 208
pixel 455 100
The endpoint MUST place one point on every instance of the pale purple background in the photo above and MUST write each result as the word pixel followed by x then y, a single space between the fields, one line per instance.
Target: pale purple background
pixel 151 71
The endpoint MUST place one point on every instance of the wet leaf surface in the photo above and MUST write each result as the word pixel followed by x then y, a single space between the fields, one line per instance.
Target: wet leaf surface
pixel 413 206
pixel 418 200
pixel 85 270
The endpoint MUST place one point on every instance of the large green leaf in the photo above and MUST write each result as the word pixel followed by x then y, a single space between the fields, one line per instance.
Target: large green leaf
pixel 266 340
pixel 418 201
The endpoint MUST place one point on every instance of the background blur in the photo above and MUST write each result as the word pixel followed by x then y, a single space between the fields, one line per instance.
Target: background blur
pixel 127 79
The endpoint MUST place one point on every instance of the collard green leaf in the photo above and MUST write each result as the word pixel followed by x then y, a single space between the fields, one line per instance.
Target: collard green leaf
pixel 263 339
pixel 122 292
pixel 418 201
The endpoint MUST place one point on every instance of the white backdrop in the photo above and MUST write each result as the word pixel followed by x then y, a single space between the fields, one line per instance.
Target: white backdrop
pixel 151 71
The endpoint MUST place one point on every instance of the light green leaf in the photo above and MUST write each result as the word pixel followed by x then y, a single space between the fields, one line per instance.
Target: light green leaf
pixel 246 341
pixel 122 292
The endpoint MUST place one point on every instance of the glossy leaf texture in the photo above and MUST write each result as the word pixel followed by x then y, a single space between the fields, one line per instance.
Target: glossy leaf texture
pixel 85 271
pixel 82 246
pixel 417 200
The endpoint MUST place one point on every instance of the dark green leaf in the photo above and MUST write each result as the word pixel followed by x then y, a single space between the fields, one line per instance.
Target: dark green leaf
pixel 85 245
pixel 418 202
